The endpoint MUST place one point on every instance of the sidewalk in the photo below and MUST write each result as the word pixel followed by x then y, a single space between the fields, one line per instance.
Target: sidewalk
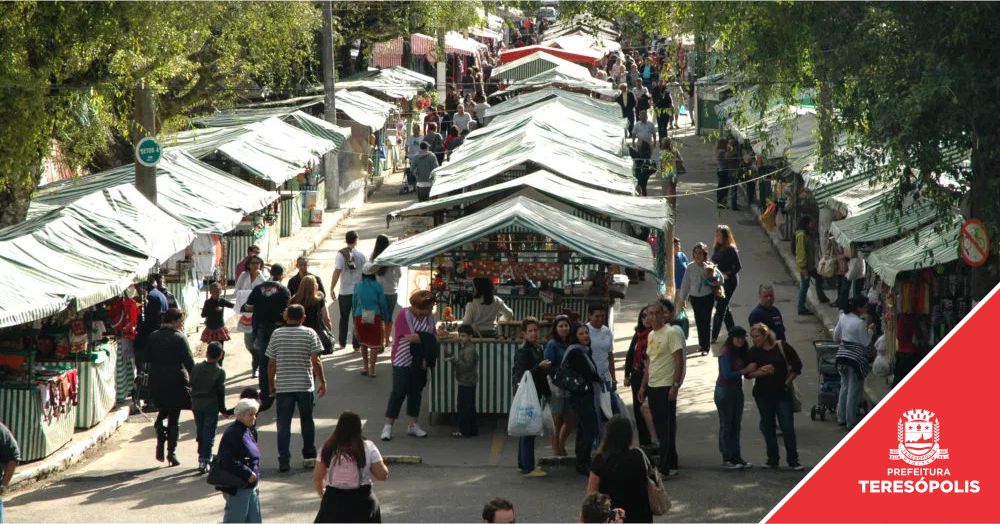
pixel 307 240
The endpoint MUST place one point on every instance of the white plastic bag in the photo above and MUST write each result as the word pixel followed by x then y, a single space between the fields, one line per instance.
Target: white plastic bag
pixel 548 424
pixel 605 401
pixel 882 367
pixel 525 419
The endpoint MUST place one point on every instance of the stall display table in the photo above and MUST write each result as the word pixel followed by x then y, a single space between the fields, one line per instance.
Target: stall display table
pixel 97 384
pixel 525 306
pixel 39 430
pixel 495 388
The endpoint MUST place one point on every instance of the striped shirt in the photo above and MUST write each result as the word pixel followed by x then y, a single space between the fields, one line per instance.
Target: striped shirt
pixel 291 349
pixel 407 323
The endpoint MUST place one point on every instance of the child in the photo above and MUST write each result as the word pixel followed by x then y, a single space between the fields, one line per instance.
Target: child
pixel 466 367
pixel 714 278
pixel 208 401
pixel 211 311
pixel 530 358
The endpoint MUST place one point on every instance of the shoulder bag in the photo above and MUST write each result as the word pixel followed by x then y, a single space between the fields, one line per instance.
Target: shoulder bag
pixel 659 502
pixel 223 478
pixel 827 265
pixel 794 391
pixel 567 379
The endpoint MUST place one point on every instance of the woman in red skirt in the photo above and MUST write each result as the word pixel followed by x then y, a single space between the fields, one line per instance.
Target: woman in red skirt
pixel 370 315
pixel 211 311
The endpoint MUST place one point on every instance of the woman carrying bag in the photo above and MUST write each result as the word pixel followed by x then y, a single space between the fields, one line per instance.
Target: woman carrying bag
pixel 774 365
pixel 344 476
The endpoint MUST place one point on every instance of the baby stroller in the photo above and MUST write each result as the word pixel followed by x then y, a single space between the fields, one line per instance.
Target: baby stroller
pixel 829 379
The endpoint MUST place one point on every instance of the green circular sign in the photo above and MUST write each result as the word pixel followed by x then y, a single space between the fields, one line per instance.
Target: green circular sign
pixel 147 151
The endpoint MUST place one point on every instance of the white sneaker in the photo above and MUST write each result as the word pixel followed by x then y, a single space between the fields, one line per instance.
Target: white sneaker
pixel 387 432
pixel 309 463
pixel 416 431
pixel 732 465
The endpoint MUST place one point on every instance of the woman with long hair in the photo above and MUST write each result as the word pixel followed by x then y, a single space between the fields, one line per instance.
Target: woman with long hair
pixel 774 365
pixel 726 257
pixel 485 308
pixel 313 301
pixel 254 275
pixel 344 475
pixel 389 277
pixel 562 417
pixel 619 471
pixel 635 366
pixel 370 310
pixel 729 397
pixel 578 358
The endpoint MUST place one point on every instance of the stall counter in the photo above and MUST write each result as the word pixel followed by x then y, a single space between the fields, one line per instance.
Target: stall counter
pixel 39 431
pixel 495 387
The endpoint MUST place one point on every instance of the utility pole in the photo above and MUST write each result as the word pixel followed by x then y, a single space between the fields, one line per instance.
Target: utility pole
pixel 145 125
pixel 331 168
pixel 442 65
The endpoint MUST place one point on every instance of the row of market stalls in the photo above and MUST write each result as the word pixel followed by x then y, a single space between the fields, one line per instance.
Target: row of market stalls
pixel 914 271
pixel 545 190
pixel 249 176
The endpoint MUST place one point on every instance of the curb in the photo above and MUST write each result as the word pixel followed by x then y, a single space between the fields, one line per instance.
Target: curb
pixel 555 460
pixel 873 393
pixel 402 459
pixel 73 452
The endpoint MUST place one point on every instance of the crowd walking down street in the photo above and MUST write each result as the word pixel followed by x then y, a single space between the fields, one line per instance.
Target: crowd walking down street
pixel 628 384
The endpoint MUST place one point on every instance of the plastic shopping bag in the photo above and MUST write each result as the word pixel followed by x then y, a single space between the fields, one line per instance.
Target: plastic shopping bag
pixel 605 402
pixel 525 419
pixel 548 424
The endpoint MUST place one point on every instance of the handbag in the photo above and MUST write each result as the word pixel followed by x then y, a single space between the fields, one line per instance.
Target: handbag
pixel 827 266
pixel 223 478
pixel 568 379
pixel 794 391
pixel 659 502
pixel 326 339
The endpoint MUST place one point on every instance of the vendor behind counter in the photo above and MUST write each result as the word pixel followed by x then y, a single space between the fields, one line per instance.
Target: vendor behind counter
pixel 485 309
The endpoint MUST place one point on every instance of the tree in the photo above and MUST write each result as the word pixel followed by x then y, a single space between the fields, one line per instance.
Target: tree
pixel 908 85
pixel 72 68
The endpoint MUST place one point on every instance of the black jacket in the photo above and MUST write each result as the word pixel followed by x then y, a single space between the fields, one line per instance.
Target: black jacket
pixel 170 366
pixel 578 359
pixel 527 359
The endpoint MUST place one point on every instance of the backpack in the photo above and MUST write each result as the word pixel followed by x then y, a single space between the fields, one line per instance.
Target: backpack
pixel 343 472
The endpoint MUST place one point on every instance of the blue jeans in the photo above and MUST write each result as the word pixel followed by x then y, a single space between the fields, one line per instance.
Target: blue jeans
pixel 244 506
pixel 286 403
pixel 586 427
pixel 804 289
pixel 205 423
pixel 780 407
pixel 526 454
pixel 729 402
pixel 723 314
pixel 262 337
pixel 850 395
pixel 467 411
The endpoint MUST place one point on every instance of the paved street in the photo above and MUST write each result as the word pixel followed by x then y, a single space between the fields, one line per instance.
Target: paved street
pixel 122 482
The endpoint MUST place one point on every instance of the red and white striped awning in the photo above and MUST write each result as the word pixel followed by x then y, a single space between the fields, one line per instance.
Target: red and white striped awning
pixel 388 54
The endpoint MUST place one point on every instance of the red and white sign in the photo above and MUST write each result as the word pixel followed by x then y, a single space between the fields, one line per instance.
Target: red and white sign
pixel 926 452
pixel 974 242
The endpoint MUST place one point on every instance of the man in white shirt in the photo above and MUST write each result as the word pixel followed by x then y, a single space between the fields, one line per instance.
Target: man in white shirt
pixel 644 130
pixel 461 119
pixel 601 342
pixel 347 272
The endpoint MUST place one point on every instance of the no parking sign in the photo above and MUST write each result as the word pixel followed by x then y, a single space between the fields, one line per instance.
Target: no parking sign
pixel 974 242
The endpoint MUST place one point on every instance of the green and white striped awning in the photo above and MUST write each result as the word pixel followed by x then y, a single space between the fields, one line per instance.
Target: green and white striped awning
pixel 586 238
pixel 276 151
pixel 363 108
pixel 644 211
pixel 825 185
pixel 21 302
pixel 527 67
pixel 922 249
pixel 874 224
pixel 860 198
pixel 321 128
pixel 525 100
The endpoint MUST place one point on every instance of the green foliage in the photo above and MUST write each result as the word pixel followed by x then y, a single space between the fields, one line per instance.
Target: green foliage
pixel 70 68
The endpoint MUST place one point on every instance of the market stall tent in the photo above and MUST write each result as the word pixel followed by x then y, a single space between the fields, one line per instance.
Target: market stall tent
pixel 276 151
pixel 923 249
pixel 578 41
pixel 200 196
pixel 321 128
pixel 527 67
pixel 524 100
pixel 644 211
pixel 859 198
pixel 586 238
pixel 875 224
pixel 363 109
pixel 21 301
pixel 393 82
pixel 586 57
pixel 565 158
pixel 569 78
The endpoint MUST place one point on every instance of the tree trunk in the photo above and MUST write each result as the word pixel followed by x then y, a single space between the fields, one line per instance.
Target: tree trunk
pixel 361 63
pixel 983 198
pixel 16 199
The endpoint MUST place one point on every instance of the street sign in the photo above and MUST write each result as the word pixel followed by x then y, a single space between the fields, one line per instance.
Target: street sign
pixel 147 151
pixel 974 242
